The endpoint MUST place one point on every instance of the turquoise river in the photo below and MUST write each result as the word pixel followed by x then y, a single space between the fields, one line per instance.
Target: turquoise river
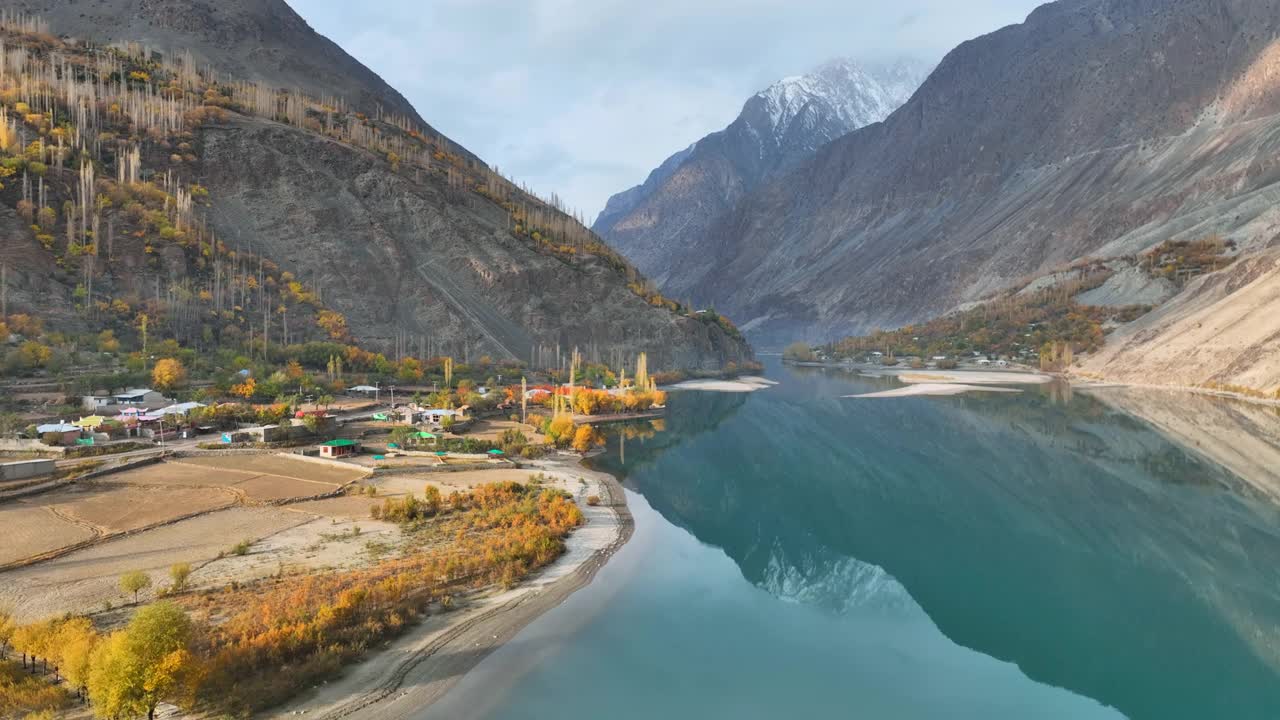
pixel 798 554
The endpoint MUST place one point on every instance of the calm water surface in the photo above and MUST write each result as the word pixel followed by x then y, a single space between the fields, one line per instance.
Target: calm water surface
pixel 802 555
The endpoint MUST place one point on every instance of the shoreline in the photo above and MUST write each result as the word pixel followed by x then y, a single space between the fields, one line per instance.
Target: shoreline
pixel 1094 384
pixel 424 664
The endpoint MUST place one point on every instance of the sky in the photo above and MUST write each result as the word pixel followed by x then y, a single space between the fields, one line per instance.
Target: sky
pixel 585 97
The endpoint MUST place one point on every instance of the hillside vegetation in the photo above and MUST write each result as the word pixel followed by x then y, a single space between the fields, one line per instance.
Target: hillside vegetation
pixel 110 232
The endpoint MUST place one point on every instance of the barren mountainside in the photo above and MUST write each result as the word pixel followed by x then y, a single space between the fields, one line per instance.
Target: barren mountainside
pixel 414 241
pixel 1095 128
pixel 777 128
pixel 399 256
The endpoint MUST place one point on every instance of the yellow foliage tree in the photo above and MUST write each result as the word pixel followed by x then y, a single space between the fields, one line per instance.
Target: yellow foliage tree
pixel 146 663
pixel 168 373
pixel 585 438
pixel 34 354
pixel 76 641
pixel 560 430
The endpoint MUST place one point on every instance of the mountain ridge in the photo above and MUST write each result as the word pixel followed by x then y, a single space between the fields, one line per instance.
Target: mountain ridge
pixel 1095 126
pixel 776 128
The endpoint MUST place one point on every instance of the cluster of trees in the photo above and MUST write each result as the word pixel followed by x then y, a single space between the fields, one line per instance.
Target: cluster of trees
pixel 1182 260
pixel 1014 325
pixel 799 352
pixel 314 625
pixel 281 635
pixel 409 508
pixel 587 401
pixel 124 674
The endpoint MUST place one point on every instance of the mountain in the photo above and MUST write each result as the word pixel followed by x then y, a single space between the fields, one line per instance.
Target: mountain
pixel 777 128
pixel 262 41
pixel 1094 129
pixel 307 162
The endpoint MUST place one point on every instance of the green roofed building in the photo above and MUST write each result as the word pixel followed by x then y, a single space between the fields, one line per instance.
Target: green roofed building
pixel 339 448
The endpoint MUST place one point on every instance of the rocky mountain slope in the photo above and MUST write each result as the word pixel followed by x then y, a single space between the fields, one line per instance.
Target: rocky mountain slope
pixel 1095 128
pixel 1222 332
pixel 415 242
pixel 401 256
pixel 777 128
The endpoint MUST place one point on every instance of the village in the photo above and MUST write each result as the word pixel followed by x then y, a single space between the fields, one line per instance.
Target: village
pixel 214 502
pixel 441 424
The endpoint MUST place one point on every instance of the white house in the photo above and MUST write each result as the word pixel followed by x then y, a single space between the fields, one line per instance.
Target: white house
pixel 366 389
pixel 436 416
pixel 181 408
pixel 94 402
pixel 138 396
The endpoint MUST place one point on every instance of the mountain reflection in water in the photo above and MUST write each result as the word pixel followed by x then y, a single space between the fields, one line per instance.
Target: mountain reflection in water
pixel 1049 529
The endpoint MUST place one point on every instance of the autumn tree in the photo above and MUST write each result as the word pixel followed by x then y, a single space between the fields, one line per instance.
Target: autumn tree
pixel 7 626
pixel 332 323
pixel 135 581
pixel 560 430
pixel 432 499
pixel 584 438
pixel 33 354
pixel 169 373
pixel 245 389
pixel 76 643
pixel 179 573
pixel 107 342
pixel 146 663
pixel 799 352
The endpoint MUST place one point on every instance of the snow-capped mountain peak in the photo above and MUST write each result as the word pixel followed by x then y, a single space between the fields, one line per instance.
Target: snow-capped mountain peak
pixel 851 93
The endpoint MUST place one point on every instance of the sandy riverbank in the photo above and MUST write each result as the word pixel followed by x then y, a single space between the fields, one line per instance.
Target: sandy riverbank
pixel 974 377
pixel 922 389
pixel 744 384
pixel 409 674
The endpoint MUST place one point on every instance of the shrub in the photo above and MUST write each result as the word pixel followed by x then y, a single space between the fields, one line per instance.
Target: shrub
pixel 593 500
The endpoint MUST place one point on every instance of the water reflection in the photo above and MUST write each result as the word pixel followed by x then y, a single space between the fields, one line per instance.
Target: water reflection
pixel 1051 529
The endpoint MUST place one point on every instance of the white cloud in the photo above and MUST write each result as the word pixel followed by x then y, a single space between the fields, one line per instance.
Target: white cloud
pixel 585 97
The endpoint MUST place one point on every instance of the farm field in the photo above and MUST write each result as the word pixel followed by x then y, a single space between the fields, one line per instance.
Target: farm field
pixel 115 508
pixel 86 579
pixel 282 465
pixel 31 530
pixel 346 507
pixel 254 477
pixel 219 491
